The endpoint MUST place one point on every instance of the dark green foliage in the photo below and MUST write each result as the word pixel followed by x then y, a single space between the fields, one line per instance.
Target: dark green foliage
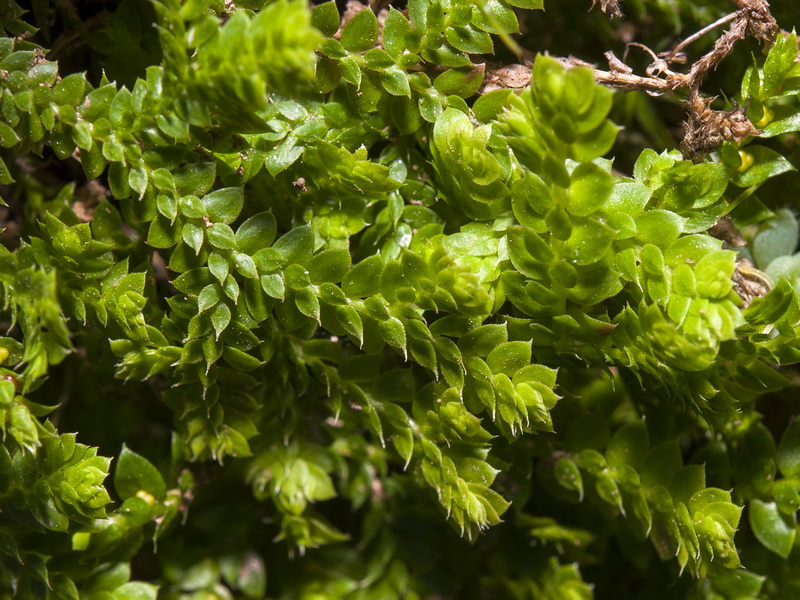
pixel 349 328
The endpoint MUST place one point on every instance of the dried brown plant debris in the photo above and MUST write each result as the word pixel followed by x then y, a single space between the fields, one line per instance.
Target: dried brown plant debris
pixel 610 7
pixel 726 231
pixel 505 77
pixel 619 77
pixel 378 5
pixel 753 19
pixel 750 283
pixel 87 198
pixel 10 228
pixel 705 129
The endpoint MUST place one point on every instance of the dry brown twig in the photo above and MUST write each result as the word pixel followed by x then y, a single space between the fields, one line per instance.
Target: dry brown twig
pixel 705 129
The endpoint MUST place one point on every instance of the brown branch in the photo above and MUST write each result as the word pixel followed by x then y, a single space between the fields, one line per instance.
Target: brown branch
pixel 621 78
pixel 670 56
pixel 705 129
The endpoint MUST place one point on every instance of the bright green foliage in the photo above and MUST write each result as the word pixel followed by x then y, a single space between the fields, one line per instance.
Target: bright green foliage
pixel 377 315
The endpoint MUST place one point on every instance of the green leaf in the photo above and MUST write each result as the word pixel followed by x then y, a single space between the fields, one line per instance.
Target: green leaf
pixel 70 90
pixel 219 266
pixel 208 297
pixel 418 11
pixel 629 197
pixel 307 303
pixel 329 265
pixel 285 156
pixel 193 235
pixel 489 106
pixel 81 135
pixel 528 4
pixel 589 242
pixel 92 161
pixel 246 572
pixel 789 451
pixel 628 446
pixel 509 357
pixel 297 245
pixel 256 233
pixel 659 227
pixel 395 29
pixel 608 490
pixel 167 206
pixel 777 236
pixel 786 119
pixel 350 71
pixel 780 62
pixel 221 236
pixel 481 341
pixel 462 82
pixel 136 590
pixel 245 265
pixel 223 206
pixel 239 360
pixel 773 529
pixel 162 234
pixel 118 180
pixel 192 281
pixel 403 441
pixel 351 322
pixel 11 351
pixel 326 78
pixel 220 318
pixel 494 16
pixel 393 333
pixel 568 475
pixel 762 163
pixel 191 207
pixel 660 464
pixel 195 179
pixel 325 17
pixel 364 278
pixel 135 474
pixel 589 188
pixel 786 496
pixel 470 39
pixel 22 426
pixel 273 285
pixel 739 583
pixel 378 60
pixel 361 32
pixel 9 138
pixel 395 81
pixel 687 481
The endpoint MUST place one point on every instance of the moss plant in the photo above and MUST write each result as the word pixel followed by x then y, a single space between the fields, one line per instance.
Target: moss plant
pixel 306 309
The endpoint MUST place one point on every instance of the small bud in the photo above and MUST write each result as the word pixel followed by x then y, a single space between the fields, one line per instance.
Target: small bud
pixel 146 496
pixel 12 379
pixel 747 161
pixel 766 119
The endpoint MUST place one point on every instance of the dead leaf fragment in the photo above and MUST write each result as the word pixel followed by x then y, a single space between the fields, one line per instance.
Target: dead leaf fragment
pixel 506 77
pixel 705 130
pixel 87 198
pixel 610 7
pixel 750 283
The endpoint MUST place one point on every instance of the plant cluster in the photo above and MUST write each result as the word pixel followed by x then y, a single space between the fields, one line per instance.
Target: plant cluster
pixel 340 326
